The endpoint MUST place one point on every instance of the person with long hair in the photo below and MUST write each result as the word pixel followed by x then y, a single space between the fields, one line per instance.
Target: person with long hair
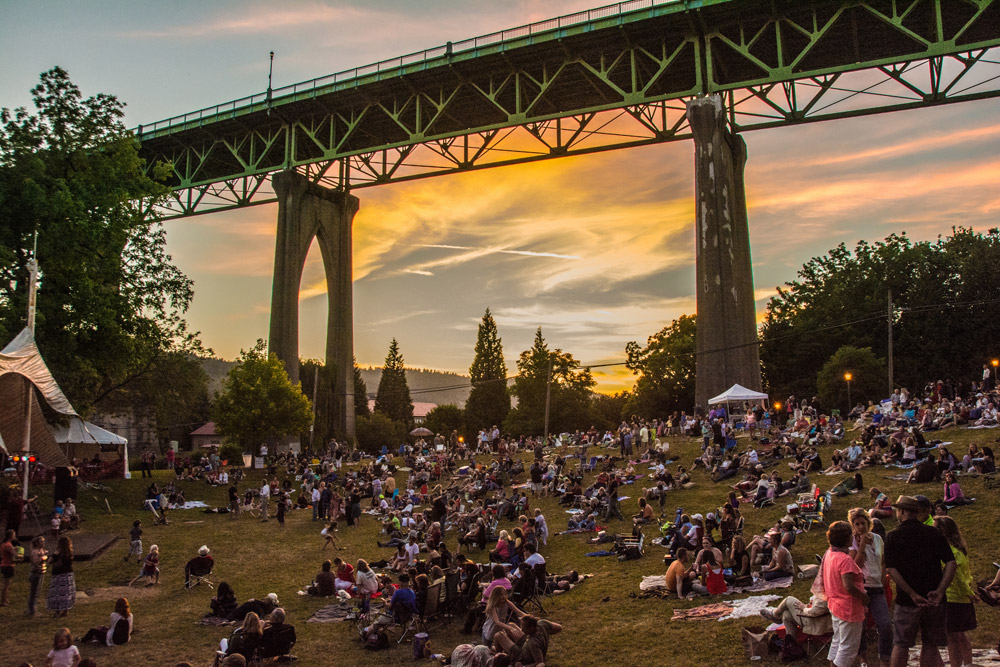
pixel 224 601
pixel 62 588
pixel 63 653
pixel 246 639
pixel 499 608
pixel 116 633
pixel 867 549
pixel 960 612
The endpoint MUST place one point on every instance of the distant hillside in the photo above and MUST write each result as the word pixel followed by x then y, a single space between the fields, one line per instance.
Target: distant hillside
pixel 425 385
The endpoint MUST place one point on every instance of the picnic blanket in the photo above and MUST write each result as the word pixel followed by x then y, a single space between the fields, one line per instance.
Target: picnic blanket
pixel 214 621
pixel 190 505
pixel 983 657
pixel 725 611
pixel 976 428
pixel 656 581
pixel 331 613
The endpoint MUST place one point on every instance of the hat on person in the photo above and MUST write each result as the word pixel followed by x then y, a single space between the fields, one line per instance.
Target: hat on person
pixel 203 550
pixel 908 503
pixel 698 516
pixel 922 501
pixel 272 598
pixel 711 516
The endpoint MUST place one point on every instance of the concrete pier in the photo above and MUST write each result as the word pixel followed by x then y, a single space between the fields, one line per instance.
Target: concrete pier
pixel 727 330
pixel 307 211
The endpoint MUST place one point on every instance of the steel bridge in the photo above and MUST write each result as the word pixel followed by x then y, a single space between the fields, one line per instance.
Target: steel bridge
pixel 637 73
pixel 609 78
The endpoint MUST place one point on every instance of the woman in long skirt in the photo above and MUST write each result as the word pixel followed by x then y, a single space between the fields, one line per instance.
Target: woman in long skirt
pixel 62 588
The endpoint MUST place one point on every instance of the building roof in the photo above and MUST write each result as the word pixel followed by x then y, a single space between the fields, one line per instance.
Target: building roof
pixel 207 429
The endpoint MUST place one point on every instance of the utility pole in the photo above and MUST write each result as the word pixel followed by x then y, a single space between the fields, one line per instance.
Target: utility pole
pixel 312 427
pixel 889 318
pixel 548 386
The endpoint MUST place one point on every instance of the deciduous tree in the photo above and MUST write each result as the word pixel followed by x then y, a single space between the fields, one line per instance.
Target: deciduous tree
pixel 666 369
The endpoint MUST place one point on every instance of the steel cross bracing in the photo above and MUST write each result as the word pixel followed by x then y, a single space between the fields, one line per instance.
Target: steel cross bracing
pixel 613 79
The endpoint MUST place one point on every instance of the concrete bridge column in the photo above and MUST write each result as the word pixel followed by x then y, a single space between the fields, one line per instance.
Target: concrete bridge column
pixel 307 211
pixel 727 329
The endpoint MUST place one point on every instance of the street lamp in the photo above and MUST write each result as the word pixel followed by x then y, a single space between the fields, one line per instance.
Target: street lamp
pixel 848 377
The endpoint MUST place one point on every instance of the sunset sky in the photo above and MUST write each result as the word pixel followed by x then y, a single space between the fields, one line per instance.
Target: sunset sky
pixel 596 250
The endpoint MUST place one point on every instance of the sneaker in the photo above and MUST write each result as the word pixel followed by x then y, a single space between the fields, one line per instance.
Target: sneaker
pixel 768 615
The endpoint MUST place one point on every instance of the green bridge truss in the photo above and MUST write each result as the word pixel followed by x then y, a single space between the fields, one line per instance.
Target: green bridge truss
pixel 609 78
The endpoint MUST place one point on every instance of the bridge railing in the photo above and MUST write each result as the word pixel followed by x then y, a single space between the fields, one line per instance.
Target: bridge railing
pixel 492 39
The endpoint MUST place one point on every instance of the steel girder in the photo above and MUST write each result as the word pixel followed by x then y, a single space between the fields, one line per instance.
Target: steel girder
pixel 614 81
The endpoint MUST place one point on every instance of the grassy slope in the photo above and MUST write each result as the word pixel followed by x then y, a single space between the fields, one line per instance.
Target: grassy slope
pixel 260 558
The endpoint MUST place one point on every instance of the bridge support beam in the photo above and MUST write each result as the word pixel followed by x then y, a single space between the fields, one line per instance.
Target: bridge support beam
pixel 726 340
pixel 307 211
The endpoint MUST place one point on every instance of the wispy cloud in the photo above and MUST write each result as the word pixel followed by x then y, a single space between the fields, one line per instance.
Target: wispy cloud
pixel 251 20
pixel 910 147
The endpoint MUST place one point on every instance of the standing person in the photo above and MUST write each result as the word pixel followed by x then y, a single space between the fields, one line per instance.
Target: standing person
pixel 914 553
pixel 62 587
pixel 868 551
pixel 265 496
pixel 282 503
pixel 135 541
pixel 15 509
pixel 961 615
pixel 541 527
pixel 147 463
pixel 843 584
pixel 7 555
pixel 354 511
pixel 39 556
pixel 234 501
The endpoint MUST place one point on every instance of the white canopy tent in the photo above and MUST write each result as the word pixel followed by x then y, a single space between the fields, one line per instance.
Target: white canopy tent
pixel 81 439
pixel 737 393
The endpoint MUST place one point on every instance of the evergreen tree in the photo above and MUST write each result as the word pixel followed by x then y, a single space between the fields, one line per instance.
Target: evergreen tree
pixel 393 397
pixel 488 402
pixel 360 392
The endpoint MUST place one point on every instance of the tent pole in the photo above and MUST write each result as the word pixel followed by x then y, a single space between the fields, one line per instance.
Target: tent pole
pixel 32 289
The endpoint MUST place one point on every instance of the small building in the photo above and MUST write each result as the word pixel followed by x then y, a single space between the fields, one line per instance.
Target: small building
pixel 205 435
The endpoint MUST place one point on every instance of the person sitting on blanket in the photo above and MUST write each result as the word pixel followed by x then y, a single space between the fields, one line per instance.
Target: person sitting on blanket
pixel 679 578
pixel 224 601
pixel 707 547
pixel 584 522
pixel 530 649
pixel 953 494
pixel 645 514
pixel 925 471
pixel 323 584
pixel 781 564
pixel 739 560
pixel 260 607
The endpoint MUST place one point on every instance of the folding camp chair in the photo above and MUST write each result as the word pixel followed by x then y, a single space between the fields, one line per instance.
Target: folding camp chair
pixel 815 516
pixel 197 574
pixel 432 607
pixel 587 467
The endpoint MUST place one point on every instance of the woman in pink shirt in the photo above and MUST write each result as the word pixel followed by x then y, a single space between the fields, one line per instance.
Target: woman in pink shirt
pixel 845 595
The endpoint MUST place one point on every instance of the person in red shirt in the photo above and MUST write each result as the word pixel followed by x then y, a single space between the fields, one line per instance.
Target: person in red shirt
pixel 843 585
pixel 7 555
pixel 345 575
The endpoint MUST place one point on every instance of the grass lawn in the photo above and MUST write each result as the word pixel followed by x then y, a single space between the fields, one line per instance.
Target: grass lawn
pixel 602 623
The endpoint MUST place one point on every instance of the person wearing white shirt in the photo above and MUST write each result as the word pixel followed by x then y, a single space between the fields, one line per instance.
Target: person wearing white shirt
pixel 315 502
pixel 412 551
pixel 265 496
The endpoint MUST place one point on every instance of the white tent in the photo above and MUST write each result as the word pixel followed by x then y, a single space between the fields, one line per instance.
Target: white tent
pixel 22 370
pixel 737 393
pixel 81 432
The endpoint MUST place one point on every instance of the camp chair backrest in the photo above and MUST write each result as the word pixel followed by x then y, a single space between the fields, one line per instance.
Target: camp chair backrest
pixel 278 643
pixel 433 599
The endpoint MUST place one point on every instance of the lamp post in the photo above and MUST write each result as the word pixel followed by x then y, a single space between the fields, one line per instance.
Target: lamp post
pixel 777 412
pixel 995 363
pixel 847 378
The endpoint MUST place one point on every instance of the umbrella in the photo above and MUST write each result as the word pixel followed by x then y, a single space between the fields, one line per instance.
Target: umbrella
pixel 420 431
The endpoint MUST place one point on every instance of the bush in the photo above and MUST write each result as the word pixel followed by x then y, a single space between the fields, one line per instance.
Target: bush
pixel 232 453
pixel 376 429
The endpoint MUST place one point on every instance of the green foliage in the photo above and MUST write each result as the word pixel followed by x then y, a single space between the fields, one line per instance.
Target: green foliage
pixel 393 397
pixel 666 369
pixel 609 410
pixel 378 429
pixel 110 301
pixel 232 453
pixel 570 391
pixel 444 419
pixel 360 392
pixel 944 316
pixel 258 403
pixel 868 378
pixel 489 401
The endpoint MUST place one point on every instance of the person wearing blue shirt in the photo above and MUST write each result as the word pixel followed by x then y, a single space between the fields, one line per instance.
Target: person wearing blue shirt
pixel 404 600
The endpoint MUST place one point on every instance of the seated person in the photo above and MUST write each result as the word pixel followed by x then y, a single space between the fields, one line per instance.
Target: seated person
pixel 533 646
pixel 244 641
pixel 224 601
pixel 403 604
pixel 323 584
pixel 345 575
pixel 118 632
pixel 883 506
pixel 278 637
pixel 200 565
pixel 70 517
pixel 645 514
pixel 855 483
pixel 260 607
pixel 812 619
pixel 781 564
pixel 953 494
pixel 679 579
pixel 926 470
